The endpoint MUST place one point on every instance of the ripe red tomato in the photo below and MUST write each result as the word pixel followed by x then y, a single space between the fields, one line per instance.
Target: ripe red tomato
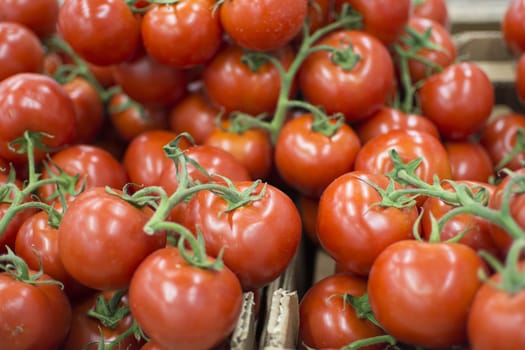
pixel 469 160
pixel 20 50
pixel 308 160
pixel 326 321
pixel 443 57
pixel 36 103
pixel 446 99
pixel 374 156
pixel 495 320
pixel 259 239
pixel 93 164
pixel 252 148
pixel 38 15
pixel 265 26
pixel 86 329
pixel 356 92
pixel 149 82
pixel 499 138
pixel 387 118
pixel 233 85
pixel 177 303
pixel 475 229
pixel 102 32
pixel 384 19
pixel 99 227
pixel 195 115
pixel 34 316
pixel 352 229
pixel 89 109
pixel 421 292
pixel 436 10
pixel 308 208
pixel 520 78
pixel 513 26
pixel 182 34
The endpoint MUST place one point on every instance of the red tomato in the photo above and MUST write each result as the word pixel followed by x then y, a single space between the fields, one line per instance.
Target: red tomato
pixel 421 292
pixel 446 99
pixel 37 243
pixel 386 119
pixel 86 329
pixel 384 19
pixel 20 50
pixel 443 57
pixel 177 303
pixel 475 229
pixel 318 14
pixel 34 102
pixel 182 34
pixel 259 239
pixel 499 137
pixel 326 321
pixel 103 74
pixel 352 228
pixel 195 115
pixel 308 160
pixel 436 10
pixel 520 78
pixel 89 109
pixel 102 32
pixel 134 119
pixel 233 85
pixel 152 345
pixel 149 82
pixel 94 165
pixel 252 148
pixel 144 158
pixel 356 92
pixel 469 160
pixel 513 26
pixel 268 25
pixel 38 15
pixel 106 233
pixel 308 208
pixel 34 316
pixel 495 318
pixel 410 144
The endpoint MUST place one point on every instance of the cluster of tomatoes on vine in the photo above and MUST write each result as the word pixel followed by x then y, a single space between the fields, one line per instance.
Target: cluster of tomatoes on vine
pixel 135 138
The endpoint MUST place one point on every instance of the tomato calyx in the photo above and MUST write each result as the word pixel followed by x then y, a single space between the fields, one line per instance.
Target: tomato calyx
pixel 255 59
pixel 345 58
pixel 109 312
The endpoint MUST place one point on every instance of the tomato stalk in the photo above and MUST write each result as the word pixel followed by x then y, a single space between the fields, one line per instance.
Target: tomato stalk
pixel 518 148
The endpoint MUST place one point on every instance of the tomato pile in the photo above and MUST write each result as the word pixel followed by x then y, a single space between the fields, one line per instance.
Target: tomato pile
pixel 160 158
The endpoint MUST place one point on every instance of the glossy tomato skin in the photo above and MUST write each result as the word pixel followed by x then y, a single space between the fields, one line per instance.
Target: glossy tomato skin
pixel 430 287
pixel 263 26
pixel 259 239
pixel 117 228
pixel 326 322
pixel 469 160
pixel 357 92
pixel 149 82
pixel 96 166
pixel 308 208
pixel 88 330
pixel 387 118
pixel 384 19
pixel 436 10
pixel 231 84
pixel 38 15
pixel 102 32
pixel 513 26
pixel 352 229
pixel 495 319
pixel 410 144
pixel 37 316
pixel 520 78
pixel 309 160
pixel 36 103
pixel 446 99
pixel 183 34
pixel 20 50
pixel 177 303
pixel 499 138
pixel 89 109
